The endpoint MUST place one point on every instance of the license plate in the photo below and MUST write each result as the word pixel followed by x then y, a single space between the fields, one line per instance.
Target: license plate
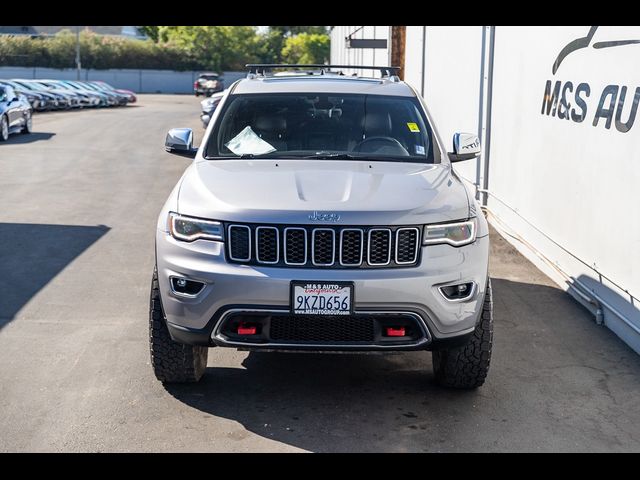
pixel 321 298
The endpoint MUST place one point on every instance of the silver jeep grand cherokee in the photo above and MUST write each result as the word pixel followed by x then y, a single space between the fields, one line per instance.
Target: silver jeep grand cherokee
pixel 321 213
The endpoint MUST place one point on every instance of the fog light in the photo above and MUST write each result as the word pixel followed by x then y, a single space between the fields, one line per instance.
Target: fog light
pixel 458 292
pixel 185 287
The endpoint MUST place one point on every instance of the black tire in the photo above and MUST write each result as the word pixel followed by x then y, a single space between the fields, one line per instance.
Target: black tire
pixel 466 366
pixel 172 362
pixel 4 128
pixel 28 126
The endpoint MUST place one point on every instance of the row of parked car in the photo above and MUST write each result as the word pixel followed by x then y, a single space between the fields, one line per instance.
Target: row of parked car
pixel 66 94
pixel 20 98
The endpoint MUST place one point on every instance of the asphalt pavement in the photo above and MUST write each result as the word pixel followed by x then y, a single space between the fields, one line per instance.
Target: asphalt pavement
pixel 79 200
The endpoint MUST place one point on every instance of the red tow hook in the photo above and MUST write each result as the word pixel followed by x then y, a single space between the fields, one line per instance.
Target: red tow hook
pixel 244 329
pixel 395 331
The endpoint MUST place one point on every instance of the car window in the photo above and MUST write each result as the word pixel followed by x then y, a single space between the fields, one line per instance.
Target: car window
pixel 309 125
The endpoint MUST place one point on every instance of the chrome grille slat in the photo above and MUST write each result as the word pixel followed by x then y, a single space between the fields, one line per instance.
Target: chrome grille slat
pixel 406 250
pixel 320 247
pixel 265 251
pixel 235 236
pixel 378 245
pixel 294 251
pixel 324 247
pixel 350 245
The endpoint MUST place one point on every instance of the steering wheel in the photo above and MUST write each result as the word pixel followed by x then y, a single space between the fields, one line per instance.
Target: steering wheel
pixel 383 145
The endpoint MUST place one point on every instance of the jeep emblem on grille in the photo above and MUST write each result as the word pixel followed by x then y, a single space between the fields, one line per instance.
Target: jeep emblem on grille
pixel 324 217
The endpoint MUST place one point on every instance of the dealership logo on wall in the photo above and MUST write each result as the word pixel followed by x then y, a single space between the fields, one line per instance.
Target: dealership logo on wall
pixel 557 96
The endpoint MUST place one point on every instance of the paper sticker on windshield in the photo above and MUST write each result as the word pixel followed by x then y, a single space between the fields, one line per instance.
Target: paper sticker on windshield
pixel 248 143
pixel 413 127
pixel 419 150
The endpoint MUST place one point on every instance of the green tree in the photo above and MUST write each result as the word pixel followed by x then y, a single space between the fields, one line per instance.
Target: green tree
pixel 215 47
pixel 151 32
pixel 307 48
pixel 273 41
pixel 289 31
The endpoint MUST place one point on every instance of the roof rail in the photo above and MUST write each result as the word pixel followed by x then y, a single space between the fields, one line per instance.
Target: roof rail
pixel 263 68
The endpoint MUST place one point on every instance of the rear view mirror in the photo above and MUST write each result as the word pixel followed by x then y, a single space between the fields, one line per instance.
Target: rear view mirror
pixel 465 147
pixel 179 141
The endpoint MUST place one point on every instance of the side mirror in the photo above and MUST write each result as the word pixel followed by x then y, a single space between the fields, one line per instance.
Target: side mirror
pixel 179 141
pixel 465 147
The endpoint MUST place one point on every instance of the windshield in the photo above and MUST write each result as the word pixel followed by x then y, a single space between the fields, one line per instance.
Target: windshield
pixel 39 86
pixel 61 85
pixel 323 125
pixel 101 86
pixel 31 86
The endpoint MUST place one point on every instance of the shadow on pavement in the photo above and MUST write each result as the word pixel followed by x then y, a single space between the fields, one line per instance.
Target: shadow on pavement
pixel 324 402
pixel 19 138
pixel 345 402
pixel 33 254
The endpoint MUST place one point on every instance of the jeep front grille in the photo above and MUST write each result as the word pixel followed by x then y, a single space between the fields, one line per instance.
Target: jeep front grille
pixel 324 247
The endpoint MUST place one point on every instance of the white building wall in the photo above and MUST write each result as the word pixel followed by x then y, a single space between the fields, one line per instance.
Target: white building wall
pixel 563 191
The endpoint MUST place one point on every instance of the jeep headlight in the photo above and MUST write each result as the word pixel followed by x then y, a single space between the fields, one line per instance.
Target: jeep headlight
pixel 456 234
pixel 189 229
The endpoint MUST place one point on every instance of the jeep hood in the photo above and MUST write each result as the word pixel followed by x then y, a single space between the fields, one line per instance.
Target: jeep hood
pixel 288 191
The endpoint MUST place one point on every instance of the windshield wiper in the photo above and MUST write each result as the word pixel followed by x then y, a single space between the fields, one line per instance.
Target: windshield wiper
pixel 332 156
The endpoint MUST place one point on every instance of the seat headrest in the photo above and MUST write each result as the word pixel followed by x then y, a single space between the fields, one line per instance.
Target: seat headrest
pixel 271 123
pixel 376 124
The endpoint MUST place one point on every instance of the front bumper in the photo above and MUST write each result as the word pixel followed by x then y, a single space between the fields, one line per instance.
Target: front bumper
pixel 232 288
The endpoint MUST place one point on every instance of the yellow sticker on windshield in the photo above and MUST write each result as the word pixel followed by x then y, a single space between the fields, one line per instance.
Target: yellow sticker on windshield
pixel 413 127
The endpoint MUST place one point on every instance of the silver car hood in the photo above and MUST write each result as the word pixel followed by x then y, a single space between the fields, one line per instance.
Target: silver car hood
pixel 290 191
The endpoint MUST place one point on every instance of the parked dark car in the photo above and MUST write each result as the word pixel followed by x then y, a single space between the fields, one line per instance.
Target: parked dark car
pixel 64 100
pixel 118 98
pixel 208 107
pixel 207 84
pixel 84 99
pixel 54 101
pixel 38 101
pixel 15 113
pixel 104 86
